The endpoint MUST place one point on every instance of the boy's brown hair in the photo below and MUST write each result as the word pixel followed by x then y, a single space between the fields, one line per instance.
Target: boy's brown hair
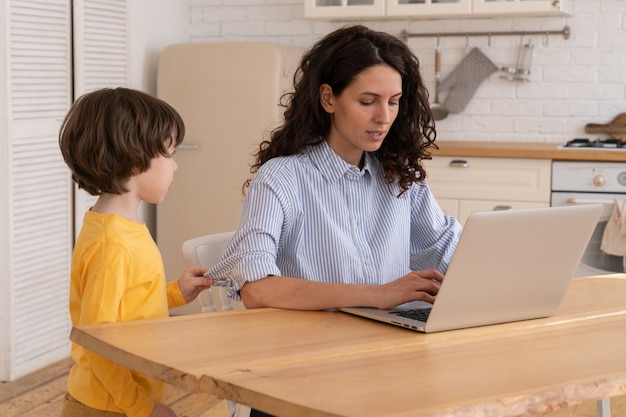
pixel 110 135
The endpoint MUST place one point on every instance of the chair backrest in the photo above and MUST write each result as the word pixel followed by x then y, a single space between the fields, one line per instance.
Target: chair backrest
pixel 206 251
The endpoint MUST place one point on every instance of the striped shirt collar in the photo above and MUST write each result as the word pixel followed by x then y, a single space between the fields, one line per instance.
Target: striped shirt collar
pixel 331 166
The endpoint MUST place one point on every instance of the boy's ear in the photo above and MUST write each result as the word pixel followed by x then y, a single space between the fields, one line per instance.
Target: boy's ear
pixel 326 98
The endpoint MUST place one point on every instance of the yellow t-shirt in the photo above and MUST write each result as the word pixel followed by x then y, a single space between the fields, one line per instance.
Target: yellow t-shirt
pixel 117 275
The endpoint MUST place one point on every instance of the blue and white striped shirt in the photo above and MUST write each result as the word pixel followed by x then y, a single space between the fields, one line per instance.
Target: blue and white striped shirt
pixel 313 216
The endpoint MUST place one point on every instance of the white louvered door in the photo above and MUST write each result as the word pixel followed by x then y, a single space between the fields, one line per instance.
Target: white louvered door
pixel 101 59
pixel 36 214
pixel 36 194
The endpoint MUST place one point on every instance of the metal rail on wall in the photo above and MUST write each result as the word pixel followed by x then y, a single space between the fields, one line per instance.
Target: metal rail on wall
pixel 565 32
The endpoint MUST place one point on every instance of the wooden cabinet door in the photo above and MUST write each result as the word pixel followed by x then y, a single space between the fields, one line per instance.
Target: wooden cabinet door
pixel 477 178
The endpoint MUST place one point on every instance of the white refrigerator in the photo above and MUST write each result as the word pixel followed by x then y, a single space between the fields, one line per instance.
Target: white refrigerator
pixel 228 95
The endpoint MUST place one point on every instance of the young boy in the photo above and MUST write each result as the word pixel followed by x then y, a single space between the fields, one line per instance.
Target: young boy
pixel 119 145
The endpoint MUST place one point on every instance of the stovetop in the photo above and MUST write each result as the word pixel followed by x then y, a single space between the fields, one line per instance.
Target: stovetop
pixel 599 144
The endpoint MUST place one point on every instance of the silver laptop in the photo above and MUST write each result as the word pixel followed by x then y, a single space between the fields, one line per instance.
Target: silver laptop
pixel 508 266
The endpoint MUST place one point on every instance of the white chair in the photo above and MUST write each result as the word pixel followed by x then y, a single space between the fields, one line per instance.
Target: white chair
pixel 206 251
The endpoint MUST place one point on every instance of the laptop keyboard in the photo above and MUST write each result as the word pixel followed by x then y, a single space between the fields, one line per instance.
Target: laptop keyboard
pixel 420 314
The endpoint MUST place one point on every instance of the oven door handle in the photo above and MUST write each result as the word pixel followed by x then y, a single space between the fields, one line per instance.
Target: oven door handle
pixel 585 201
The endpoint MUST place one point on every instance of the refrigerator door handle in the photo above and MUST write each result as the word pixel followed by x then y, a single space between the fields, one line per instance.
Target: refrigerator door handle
pixel 188 146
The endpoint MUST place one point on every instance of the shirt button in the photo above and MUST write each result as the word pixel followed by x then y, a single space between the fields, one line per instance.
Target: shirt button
pixel 368 262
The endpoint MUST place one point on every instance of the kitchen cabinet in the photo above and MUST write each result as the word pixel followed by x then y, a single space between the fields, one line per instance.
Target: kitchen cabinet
pixel 428 8
pixel 463 185
pixel 347 9
pixel 529 7
pixel 344 8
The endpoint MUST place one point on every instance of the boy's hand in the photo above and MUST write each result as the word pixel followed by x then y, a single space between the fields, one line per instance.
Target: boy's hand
pixel 192 282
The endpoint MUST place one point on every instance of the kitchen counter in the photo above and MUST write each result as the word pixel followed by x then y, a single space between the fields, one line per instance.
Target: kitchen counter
pixel 525 150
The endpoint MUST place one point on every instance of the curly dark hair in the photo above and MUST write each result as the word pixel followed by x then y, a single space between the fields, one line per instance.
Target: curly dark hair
pixel 110 135
pixel 336 60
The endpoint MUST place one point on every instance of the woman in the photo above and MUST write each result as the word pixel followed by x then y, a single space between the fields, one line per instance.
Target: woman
pixel 338 213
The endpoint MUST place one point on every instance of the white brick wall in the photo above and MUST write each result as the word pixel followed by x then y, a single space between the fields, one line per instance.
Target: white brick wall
pixel 573 82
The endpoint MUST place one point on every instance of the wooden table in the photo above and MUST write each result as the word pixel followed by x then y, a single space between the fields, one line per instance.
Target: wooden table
pixel 322 363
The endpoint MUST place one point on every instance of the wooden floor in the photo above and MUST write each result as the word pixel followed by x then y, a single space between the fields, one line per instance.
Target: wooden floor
pixel 41 395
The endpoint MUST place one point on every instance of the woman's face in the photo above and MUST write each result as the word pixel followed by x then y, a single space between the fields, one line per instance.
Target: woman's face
pixel 364 112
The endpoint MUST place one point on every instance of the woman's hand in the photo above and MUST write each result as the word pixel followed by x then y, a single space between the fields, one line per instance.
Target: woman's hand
pixel 414 286
pixel 192 282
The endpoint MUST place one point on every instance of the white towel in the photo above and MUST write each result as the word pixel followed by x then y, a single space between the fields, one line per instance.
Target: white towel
pixel 614 238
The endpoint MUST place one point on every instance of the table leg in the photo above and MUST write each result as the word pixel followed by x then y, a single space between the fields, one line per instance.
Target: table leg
pixel 604 407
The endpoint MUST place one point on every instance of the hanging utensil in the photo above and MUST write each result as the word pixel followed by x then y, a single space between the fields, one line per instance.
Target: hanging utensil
pixel 438 110
pixel 521 70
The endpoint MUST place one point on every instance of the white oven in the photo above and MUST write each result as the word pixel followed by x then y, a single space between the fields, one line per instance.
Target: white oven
pixel 591 183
